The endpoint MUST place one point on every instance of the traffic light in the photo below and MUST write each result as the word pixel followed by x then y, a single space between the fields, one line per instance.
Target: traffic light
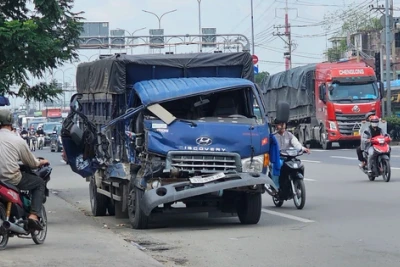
pixel 378 65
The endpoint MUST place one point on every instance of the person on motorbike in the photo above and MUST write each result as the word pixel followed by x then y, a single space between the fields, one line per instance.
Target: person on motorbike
pixel 32 138
pixel 372 131
pixel 14 149
pixel 359 151
pixel 286 140
pixel 39 132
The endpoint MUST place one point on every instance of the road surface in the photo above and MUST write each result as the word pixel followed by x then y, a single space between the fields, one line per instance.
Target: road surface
pixel 347 221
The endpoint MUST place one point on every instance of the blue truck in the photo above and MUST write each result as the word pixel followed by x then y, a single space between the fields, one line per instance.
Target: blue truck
pixel 156 134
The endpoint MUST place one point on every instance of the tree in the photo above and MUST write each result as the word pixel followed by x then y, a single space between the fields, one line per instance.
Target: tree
pixel 354 20
pixel 33 41
pixel 259 77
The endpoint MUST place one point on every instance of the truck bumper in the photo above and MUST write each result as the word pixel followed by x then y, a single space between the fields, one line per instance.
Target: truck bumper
pixel 334 136
pixel 169 193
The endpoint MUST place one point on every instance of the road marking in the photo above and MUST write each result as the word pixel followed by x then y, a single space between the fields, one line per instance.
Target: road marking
pixel 394 168
pixel 287 216
pixel 318 150
pixel 340 157
pixel 310 180
pixel 310 161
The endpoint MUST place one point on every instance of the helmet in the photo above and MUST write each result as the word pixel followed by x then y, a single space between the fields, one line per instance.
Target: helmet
pixel 374 121
pixel 6 118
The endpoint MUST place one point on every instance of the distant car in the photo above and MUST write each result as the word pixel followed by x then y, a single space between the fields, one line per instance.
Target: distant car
pixel 55 139
pixel 48 129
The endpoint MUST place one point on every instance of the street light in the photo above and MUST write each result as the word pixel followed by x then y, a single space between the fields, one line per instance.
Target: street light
pixel 159 17
pixel 131 34
pixel 200 39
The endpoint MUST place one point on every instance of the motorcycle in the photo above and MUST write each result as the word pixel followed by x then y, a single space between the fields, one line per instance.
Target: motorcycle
pixel 33 141
pixel 25 137
pixel 381 163
pixel 291 179
pixel 15 207
pixel 41 142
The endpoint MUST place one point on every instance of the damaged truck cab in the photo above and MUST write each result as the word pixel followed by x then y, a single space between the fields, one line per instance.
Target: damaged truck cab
pixel 185 131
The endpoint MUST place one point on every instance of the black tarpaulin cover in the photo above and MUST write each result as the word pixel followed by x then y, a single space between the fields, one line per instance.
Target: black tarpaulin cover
pixel 296 86
pixel 116 73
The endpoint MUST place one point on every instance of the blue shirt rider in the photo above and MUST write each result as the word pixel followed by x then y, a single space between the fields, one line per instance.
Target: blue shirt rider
pixel 286 140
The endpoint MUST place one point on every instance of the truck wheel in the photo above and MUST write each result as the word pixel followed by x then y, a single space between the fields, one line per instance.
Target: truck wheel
pixel 326 145
pixel 137 217
pixel 249 208
pixel 98 202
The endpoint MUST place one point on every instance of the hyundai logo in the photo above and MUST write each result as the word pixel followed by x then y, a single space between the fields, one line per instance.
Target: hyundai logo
pixel 204 141
pixel 356 109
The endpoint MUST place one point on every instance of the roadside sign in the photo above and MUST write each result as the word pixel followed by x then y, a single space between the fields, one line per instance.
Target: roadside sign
pixel 255 69
pixel 255 59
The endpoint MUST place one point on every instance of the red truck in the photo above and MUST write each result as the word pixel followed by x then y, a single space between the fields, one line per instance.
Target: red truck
pixel 53 114
pixel 327 100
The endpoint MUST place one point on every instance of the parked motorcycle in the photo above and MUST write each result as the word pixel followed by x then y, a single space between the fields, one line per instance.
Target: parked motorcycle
pixel 291 179
pixel 381 164
pixel 15 207
pixel 41 142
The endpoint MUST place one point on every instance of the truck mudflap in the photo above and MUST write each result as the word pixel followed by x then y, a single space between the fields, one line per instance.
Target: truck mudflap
pixel 179 191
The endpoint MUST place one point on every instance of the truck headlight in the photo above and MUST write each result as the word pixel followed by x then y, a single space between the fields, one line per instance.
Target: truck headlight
pixel 253 166
pixel 332 125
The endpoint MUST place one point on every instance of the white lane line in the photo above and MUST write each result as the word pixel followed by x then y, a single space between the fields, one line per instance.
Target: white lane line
pixel 340 157
pixel 310 161
pixel 319 150
pixel 310 180
pixel 287 216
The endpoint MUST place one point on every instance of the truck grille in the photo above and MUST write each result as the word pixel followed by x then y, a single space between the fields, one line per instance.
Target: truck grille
pixel 203 162
pixel 348 123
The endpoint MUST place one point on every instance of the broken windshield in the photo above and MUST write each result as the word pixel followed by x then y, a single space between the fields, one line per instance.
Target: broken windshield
pixel 226 104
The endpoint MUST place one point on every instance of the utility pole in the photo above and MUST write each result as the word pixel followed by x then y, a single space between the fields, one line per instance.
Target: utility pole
pixel 200 33
pixel 389 43
pixel 288 41
pixel 252 28
pixel 393 44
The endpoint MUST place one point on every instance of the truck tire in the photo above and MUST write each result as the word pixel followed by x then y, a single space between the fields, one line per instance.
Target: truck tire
pixel 249 208
pixel 98 202
pixel 137 218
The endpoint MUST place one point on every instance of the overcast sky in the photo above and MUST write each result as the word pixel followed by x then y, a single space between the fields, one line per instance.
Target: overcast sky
pixel 228 16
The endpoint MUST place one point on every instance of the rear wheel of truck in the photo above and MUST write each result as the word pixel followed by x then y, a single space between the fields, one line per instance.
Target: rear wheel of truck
pixel 137 218
pixel 98 202
pixel 249 208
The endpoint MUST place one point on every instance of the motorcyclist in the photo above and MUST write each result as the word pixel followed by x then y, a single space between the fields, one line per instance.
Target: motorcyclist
pixel 39 132
pixel 286 140
pixel 32 137
pixel 372 131
pixel 14 149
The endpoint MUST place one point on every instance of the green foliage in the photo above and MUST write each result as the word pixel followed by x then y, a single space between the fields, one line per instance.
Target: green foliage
pixel 353 20
pixel 260 76
pixel 33 41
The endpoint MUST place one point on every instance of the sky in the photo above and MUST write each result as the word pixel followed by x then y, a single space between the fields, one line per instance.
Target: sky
pixel 229 17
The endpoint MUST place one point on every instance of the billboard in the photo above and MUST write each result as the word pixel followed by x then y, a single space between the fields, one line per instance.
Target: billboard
pixel 117 38
pixel 210 37
pixel 94 34
pixel 156 38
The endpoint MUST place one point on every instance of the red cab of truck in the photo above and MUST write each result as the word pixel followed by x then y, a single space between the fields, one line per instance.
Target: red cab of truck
pixel 345 93
pixel 328 101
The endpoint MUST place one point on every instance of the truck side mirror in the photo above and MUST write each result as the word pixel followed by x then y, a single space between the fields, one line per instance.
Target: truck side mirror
pixel 282 111
pixel 322 92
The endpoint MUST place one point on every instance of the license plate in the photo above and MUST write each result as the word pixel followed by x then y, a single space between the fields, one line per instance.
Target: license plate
pixel 202 180
pixel 356 133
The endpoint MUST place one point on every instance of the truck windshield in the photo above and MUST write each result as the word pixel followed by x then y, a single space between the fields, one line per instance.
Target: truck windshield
pixel 353 92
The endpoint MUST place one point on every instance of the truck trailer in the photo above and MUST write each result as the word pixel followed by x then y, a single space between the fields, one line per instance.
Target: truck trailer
pixel 150 131
pixel 328 101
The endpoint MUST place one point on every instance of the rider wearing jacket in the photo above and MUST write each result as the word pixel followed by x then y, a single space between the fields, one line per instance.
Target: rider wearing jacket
pixel 372 131
pixel 12 150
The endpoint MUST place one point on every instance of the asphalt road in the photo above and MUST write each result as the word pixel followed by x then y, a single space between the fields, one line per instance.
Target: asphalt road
pixel 347 221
